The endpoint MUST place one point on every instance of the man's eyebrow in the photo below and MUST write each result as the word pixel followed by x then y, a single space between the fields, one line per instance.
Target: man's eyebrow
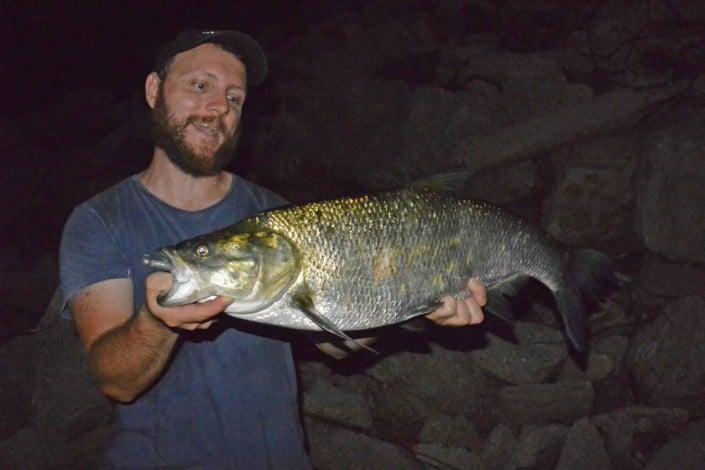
pixel 215 77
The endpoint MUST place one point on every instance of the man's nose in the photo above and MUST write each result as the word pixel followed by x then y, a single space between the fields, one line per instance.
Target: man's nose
pixel 218 104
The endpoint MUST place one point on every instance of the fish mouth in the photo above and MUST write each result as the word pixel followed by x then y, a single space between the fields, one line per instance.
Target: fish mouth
pixel 184 288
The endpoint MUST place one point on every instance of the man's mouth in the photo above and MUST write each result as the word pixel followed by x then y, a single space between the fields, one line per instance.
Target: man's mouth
pixel 206 128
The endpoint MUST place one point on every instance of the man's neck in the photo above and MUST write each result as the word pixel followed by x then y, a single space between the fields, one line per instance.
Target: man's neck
pixel 181 190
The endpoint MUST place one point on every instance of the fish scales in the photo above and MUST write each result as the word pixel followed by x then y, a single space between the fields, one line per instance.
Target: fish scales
pixel 370 261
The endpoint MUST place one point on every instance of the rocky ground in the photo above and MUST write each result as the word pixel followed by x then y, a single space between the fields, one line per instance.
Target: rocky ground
pixel 587 120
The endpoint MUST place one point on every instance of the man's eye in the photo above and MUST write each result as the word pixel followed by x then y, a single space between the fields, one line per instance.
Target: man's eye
pixel 201 86
pixel 234 100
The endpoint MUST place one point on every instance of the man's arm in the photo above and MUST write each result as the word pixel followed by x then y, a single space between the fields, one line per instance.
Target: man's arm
pixel 127 353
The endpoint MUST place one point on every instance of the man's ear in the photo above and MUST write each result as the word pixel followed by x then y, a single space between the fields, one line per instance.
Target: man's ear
pixel 151 89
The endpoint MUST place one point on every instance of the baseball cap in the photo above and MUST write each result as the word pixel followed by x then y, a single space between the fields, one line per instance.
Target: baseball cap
pixel 239 43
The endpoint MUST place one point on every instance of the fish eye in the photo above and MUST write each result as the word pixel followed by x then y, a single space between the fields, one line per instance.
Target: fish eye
pixel 202 250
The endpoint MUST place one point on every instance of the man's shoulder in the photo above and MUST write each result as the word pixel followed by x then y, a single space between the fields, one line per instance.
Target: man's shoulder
pixel 263 197
pixel 107 200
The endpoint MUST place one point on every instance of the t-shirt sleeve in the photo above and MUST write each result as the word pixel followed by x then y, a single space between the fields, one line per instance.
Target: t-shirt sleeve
pixel 271 200
pixel 89 253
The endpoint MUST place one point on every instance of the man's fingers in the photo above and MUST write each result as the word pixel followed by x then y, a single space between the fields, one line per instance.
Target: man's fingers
pixel 198 326
pixel 444 311
pixel 456 312
pixel 478 291
pixel 191 316
pixel 475 313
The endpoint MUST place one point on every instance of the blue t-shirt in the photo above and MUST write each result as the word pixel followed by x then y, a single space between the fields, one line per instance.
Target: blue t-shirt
pixel 228 397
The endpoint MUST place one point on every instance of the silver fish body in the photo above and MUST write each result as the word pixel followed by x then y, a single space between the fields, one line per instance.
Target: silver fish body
pixel 358 263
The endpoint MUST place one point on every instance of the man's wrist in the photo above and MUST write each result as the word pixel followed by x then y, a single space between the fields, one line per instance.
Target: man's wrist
pixel 146 315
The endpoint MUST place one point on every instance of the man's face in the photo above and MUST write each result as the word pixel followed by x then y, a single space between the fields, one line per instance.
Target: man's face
pixel 196 115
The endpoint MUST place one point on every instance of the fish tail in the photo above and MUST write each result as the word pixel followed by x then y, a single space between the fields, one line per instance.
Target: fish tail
pixel 588 274
pixel 593 272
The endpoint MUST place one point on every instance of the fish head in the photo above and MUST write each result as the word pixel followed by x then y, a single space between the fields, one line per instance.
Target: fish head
pixel 254 266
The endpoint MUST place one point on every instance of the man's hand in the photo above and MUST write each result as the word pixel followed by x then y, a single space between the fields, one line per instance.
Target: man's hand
pixel 467 311
pixel 197 316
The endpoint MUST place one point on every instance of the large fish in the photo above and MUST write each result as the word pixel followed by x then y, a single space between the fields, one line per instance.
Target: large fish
pixel 363 262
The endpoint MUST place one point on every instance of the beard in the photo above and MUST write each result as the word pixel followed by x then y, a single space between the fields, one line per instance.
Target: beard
pixel 168 134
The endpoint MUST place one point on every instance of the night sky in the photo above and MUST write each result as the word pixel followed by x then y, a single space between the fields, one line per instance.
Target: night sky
pixel 57 55
pixel 51 48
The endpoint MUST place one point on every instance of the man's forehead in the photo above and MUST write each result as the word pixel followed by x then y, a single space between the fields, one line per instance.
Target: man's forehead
pixel 211 59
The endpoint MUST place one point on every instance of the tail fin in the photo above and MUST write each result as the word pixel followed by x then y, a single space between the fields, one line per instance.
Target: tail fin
pixel 593 272
pixel 589 273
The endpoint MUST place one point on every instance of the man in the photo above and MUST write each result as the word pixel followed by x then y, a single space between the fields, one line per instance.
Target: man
pixel 190 392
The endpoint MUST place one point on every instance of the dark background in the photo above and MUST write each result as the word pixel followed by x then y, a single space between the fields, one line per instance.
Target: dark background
pixel 72 72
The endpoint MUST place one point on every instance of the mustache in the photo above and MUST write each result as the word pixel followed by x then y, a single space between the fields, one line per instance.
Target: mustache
pixel 211 121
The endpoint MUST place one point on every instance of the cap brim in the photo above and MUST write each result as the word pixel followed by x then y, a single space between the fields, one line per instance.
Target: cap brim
pixel 247 48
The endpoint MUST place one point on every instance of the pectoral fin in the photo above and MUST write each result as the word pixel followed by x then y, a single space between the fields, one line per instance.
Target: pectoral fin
pixel 303 304
pixel 498 297
pixel 424 309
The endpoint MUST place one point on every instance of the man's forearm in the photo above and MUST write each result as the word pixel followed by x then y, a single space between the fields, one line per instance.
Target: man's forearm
pixel 128 359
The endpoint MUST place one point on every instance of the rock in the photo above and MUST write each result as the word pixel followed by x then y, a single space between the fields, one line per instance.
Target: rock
pixel 666 358
pixel 670 193
pixel 644 419
pixel 411 387
pixel 505 184
pixel 686 450
pixel 538 447
pixel 545 403
pixel 619 440
pixel 454 457
pixel 583 449
pixel 536 358
pixel 632 430
pixel 616 314
pixel 26 292
pixel 436 120
pixel 614 348
pixel 612 393
pixel 597 368
pixel 403 133
pixel 592 199
pixel 66 402
pixel 17 364
pixel 333 447
pixel 661 277
pixel 451 431
pixel 499 68
pixel 324 400
pixel 20 450
pixel 498 447
pixel 524 98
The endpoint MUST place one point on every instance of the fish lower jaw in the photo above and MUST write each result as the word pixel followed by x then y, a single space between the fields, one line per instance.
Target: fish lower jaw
pixel 182 292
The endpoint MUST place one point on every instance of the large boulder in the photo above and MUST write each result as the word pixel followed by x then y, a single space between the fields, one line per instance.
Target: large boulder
pixel 666 358
pixel 686 450
pixel 583 449
pixel 535 404
pixel 67 404
pixel 671 193
pixel 18 359
pixel 340 448
pixel 592 199
pixel 536 357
